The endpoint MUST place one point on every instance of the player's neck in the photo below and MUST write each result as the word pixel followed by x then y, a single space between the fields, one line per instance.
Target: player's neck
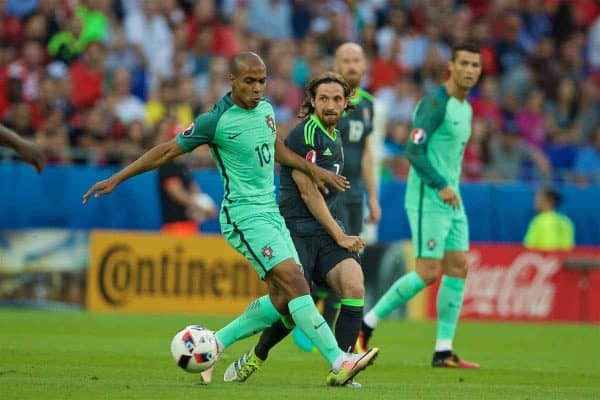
pixel 456 91
pixel 355 92
pixel 238 102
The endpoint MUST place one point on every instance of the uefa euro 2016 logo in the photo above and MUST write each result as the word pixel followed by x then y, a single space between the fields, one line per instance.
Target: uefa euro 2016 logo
pixel 418 136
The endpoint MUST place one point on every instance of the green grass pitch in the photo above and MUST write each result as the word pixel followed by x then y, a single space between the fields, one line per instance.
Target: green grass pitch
pixel 72 355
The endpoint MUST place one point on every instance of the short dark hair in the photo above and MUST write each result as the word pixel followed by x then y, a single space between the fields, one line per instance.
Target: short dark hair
pixel 553 195
pixel 310 91
pixel 470 47
pixel 243 58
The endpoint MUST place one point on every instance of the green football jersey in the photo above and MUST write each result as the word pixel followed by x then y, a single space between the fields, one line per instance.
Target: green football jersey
pixel 242 143
pixel 436 146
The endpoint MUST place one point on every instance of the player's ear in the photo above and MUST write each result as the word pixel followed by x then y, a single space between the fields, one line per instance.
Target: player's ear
pixel 312 102
pixel 232 79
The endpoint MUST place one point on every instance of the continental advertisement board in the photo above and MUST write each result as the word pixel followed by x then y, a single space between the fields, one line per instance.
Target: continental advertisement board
pixel 156 273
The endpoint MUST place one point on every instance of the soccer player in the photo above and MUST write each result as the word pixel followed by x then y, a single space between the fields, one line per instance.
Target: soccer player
pixel 356 127
pixel 438 223
pixel 328 254
pixel 27 150
pixel 241 133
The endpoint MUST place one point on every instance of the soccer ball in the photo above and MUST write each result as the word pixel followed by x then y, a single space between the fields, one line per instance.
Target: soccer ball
pixel 194 348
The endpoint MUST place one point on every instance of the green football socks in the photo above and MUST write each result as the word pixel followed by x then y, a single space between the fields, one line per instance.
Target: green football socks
pixel 307 318
pixel 449 303
pixel 259 315
pixel 399 293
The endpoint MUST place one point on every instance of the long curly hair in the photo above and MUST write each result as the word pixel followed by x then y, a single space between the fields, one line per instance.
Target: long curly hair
pixel 310 92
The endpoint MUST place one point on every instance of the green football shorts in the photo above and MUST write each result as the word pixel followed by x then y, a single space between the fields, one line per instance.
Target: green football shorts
pixel 263 239
pixel 434 233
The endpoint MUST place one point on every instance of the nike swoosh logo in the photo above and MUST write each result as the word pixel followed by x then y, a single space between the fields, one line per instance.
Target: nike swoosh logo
pixel 320 325
pixel 234 136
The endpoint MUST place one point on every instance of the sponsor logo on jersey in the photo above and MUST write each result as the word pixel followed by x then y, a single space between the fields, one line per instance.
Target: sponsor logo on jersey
pixel 234 135
pixel 267 252
pixel 189 130
pixel 271 123
pixel 418 136
pixel 311 156
pixel 327 152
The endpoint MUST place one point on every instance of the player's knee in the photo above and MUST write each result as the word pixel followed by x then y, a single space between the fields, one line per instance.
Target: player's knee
pixel 428 272
pixel 457 266
pixel 353 290
pixel 287 281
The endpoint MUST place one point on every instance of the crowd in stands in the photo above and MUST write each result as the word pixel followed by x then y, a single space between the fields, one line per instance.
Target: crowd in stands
pixel 100 81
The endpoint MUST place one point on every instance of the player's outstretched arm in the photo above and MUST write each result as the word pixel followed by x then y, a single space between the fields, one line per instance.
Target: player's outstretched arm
pixel 320 176
pixel 368 175
pixel 27 150
pixel 318 208
pixel 153 158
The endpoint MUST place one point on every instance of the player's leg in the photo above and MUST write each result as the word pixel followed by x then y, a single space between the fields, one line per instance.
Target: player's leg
pixel 289 293
pixel 429 231
pixel 450 295
pixel 351 214
pixel 342 272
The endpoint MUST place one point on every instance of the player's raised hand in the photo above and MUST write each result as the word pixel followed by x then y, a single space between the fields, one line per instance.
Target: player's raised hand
pixel 351 243
pixel 374 210
pixel 449 196
pixel 323 177
pixel 100 189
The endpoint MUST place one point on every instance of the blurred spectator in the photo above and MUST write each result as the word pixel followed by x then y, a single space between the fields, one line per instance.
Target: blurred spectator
pixel 69 43
pixel 539 58
pixel 386 68
pixel 588 107
pixel 87 77
pixel 270 18
pixel 531 120
pixel 29 69
pixel 53 138
pixel 220 37
pixel 94 15
pixel 183 205
pixel 587 163
pixel 562 112
pixel 127 107
pixel 549 230
pixel 147 28
pixel 477 151
pixel 399 100
pixel 508 154
pixel 487 104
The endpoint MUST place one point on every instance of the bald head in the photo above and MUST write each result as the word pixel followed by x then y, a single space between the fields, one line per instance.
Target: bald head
pixel 350 62
pixel 349 48
pixel 246 61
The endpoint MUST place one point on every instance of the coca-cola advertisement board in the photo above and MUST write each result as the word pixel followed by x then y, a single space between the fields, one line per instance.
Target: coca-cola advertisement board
pixel 509 282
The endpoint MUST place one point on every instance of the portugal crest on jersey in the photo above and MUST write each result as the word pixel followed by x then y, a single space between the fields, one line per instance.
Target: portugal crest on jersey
pixel 271 123
pixel 418 136
pixel 267 252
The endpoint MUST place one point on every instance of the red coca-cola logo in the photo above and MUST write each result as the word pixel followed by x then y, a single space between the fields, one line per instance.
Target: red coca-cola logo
pixel 520 288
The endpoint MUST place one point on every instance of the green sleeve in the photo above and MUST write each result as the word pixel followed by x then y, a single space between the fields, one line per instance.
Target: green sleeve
pixel 569 239
pixel 427 117
pixel 200 132
pixel 530 240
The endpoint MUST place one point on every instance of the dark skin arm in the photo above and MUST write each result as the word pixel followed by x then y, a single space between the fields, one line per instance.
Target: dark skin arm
pixel 27 150
pixel 153 158
pixel 320 176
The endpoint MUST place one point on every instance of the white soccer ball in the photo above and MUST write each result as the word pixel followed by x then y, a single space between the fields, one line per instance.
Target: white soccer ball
pixel 195 349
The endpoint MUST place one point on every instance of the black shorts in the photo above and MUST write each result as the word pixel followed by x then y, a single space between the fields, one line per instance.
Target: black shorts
pixel 351 214
pixel 318 255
